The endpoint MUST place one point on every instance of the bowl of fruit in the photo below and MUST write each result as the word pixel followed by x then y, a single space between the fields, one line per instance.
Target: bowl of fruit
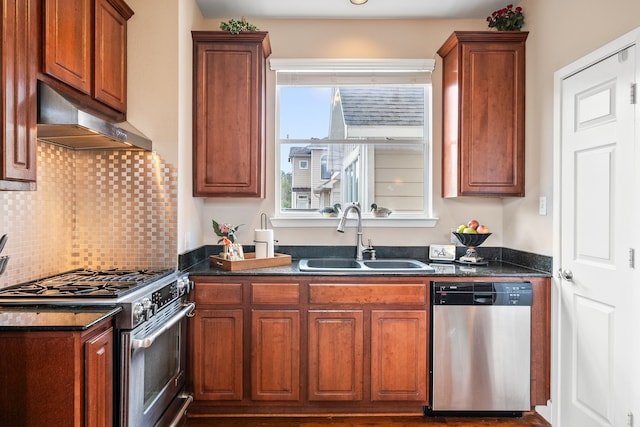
pixel 472 233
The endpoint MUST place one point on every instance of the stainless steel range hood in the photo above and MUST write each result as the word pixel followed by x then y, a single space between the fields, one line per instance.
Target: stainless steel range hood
pixel 62 122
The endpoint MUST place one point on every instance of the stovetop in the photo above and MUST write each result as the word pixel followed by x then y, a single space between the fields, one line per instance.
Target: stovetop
pixel 85 284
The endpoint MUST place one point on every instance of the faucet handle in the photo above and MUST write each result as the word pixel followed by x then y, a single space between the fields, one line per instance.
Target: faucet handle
pixel 370 249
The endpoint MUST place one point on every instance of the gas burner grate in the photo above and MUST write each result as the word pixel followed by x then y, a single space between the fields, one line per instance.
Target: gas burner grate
pixel 86 283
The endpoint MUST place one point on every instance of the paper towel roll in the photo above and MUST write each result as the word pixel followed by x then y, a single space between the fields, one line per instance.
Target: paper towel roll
pixel 264 243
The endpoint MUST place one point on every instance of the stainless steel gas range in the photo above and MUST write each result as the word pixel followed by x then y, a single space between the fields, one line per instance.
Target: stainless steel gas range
pixel 150 334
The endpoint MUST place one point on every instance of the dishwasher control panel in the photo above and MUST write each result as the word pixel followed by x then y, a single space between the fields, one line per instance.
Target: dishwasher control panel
pixel 481 293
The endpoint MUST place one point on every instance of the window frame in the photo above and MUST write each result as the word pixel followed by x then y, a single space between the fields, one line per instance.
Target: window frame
pixel 380 71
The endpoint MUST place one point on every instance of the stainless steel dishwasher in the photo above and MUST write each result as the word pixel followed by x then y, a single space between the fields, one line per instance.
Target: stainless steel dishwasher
pixel 480 347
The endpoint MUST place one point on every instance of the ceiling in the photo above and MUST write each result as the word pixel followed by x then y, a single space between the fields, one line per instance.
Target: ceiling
pixel 343 9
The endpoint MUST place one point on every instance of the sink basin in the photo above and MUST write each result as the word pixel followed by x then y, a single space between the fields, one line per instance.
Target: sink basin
pixel 331 264
pixel 395 264
pixel 366 266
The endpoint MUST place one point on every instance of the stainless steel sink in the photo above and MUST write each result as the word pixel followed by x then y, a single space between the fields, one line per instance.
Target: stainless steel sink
pixel 366 266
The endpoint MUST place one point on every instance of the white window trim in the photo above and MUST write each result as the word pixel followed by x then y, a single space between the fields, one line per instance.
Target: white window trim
pixel 357 66
pixel 353 65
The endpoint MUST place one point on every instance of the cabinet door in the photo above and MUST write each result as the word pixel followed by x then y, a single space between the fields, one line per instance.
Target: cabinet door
pixel 99 380
pixel 110 77
pixel 483 113
pixel 275 355
pixel 229 100
pixel 18 96
pixel 68 39
pixel 217 354
pixel 399 355
pixel 336 355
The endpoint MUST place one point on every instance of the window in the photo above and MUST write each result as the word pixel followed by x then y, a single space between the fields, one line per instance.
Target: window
pixel 362 131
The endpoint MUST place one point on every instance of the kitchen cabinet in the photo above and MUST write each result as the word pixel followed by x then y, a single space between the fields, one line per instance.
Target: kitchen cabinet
pixel 99 377
pixel 399 355
pixel 275 355
pixel 336 374
pixel 216 342
pixel 296 345
pixel 229 113
pixel 395 341
pixel 483 76
pixel 19 67
pixel 84 46
pixel 57 378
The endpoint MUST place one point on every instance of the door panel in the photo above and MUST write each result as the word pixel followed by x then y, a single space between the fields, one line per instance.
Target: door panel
pixel 336 352
pixel 593 350
pixel 275 357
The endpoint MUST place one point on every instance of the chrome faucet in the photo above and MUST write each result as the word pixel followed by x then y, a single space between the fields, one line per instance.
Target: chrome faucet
pixel 360 247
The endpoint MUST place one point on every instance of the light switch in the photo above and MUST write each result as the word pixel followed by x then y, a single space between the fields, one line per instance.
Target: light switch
pixel 542 206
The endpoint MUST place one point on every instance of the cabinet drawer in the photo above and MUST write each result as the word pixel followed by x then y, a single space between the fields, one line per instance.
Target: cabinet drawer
pixel 275 293
pixel 405 293
pixel 218 293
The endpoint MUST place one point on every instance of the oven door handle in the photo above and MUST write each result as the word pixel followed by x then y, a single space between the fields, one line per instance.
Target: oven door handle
pixel 148 341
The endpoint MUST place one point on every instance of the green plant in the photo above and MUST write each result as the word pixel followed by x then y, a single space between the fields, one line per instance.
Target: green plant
pixel 225 231
pixel 235 27
pixel 507 19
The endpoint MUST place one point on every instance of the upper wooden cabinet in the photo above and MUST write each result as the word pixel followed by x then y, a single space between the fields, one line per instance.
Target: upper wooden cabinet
pixel 229 113
pixel 483 77
pixel 18 94
pixel 85 48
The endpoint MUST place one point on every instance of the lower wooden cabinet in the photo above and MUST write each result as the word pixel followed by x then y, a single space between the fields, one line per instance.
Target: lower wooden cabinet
pixel 399 355
pixel 99 378
pixel 57 378
pixel 217 349
pixel 275 355
pixel 336 355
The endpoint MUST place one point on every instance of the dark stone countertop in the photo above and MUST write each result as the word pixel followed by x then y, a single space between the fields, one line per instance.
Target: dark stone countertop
pixel 53 318
pixel 502 263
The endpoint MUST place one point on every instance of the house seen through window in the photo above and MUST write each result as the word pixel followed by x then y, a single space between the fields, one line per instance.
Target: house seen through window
pixel 353 138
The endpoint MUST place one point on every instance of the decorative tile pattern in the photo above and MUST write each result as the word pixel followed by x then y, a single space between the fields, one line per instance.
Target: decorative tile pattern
pixel 92 209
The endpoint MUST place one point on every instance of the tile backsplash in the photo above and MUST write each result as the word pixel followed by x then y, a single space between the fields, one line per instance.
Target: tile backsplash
pixel 92 209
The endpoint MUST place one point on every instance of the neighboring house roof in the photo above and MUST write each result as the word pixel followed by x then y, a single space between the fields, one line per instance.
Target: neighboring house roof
pixel 304 151
pixel 383 106
pixel 299 152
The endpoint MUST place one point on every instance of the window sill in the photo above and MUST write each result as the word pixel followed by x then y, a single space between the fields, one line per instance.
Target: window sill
pixel 397 221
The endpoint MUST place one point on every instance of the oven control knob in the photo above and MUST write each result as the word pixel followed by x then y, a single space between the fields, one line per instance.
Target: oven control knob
pixel 148 307
pixel 138 311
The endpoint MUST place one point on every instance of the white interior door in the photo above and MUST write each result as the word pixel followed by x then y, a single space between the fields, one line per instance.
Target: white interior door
pixel 597 192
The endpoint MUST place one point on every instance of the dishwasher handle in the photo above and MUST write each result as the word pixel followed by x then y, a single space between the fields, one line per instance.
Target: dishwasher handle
pixel 483 298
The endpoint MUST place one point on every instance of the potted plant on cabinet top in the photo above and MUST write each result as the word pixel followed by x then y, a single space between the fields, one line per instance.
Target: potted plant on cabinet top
pixel 507 19
pixel 235 27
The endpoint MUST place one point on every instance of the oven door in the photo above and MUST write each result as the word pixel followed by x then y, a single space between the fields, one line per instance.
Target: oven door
pixel 152 370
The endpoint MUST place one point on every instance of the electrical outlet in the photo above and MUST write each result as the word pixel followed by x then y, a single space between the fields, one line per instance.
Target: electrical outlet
pixel 542 206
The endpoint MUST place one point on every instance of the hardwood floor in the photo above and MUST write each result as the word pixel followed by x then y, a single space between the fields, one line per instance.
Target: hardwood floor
pixel 530 420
